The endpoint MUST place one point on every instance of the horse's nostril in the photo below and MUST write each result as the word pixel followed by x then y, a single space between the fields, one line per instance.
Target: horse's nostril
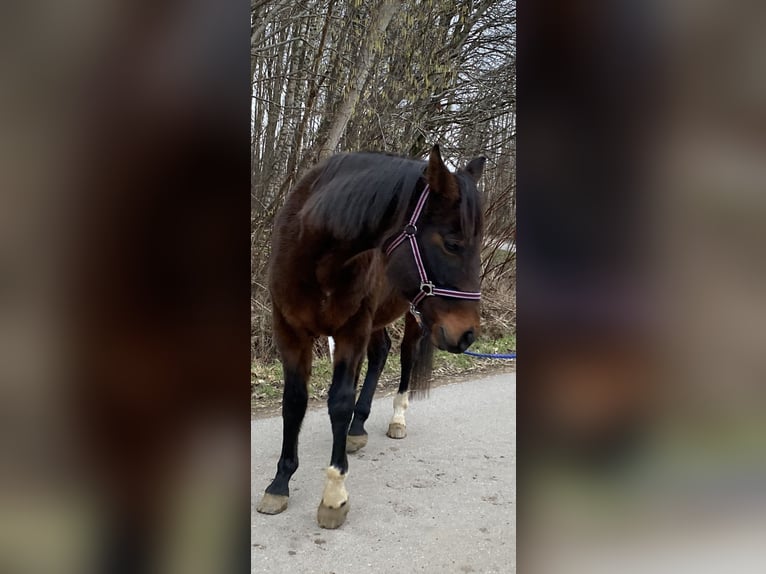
pixel 467 339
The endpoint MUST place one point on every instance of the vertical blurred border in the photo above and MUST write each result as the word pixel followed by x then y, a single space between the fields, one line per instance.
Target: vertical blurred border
pixel 641 300
pixel 124 287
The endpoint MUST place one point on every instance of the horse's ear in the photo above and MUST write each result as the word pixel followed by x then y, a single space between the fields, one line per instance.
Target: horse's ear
pixel 439 176
pixel 475 168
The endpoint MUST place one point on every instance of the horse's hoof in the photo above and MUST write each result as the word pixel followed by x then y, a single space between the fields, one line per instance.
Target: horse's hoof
pixel 355 441
pixel 332 517
pixel 396 430
pixel 272 504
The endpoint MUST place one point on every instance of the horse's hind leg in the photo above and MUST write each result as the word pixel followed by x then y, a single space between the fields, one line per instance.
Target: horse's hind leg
pixel 296 364
pixel 350 345
pixel 377 353
pixel 397 428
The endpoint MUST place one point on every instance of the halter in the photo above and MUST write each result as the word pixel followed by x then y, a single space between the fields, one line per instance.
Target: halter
pixel 427 288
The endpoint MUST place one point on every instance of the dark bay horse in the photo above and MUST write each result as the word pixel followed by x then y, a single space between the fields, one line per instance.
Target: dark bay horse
pixel 360 239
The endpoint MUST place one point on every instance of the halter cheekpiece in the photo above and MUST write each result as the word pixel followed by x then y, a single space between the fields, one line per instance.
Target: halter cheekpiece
pixel 427 288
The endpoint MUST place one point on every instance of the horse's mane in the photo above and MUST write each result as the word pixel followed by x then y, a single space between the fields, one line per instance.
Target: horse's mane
pixel 357 194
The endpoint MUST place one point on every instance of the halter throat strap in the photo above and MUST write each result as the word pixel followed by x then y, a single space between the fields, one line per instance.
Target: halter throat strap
pixel 427 288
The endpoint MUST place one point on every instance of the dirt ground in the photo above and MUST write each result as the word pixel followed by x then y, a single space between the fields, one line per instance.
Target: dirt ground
pixel 441 500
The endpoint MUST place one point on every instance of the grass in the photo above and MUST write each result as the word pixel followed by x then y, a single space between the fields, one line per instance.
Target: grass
pixel 266 378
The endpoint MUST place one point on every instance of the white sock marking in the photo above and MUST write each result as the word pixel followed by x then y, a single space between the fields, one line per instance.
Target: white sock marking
pixel 401 402
pixel 335 493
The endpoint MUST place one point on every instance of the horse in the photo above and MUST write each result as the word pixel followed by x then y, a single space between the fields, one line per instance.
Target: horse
pixel 362 238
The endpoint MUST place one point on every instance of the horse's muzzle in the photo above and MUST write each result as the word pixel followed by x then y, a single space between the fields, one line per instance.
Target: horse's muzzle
pixel 445 344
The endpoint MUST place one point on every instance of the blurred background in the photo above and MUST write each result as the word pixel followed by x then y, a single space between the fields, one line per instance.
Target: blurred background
pixel 124 250
pixel 641 228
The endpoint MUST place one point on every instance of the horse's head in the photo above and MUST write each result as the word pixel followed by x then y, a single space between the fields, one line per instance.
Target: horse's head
pixel 449 234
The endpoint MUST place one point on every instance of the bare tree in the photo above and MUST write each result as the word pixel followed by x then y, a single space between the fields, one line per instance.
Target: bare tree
pixel 331 75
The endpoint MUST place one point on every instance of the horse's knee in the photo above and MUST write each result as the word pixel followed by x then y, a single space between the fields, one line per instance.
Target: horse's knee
pixel 296 377
pixel 340 402
pixel 295 400
pixel 295 394
pixel 340 399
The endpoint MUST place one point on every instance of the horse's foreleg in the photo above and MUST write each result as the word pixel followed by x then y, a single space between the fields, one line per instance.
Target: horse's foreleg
pixel 377 353
pixel 296 364
pixel 397 428
pixel 350 345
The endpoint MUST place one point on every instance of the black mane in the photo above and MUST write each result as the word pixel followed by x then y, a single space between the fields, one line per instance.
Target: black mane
pixel 356 192
pixel 368 194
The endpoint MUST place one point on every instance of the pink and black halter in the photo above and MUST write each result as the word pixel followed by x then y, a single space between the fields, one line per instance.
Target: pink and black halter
pixel 427 288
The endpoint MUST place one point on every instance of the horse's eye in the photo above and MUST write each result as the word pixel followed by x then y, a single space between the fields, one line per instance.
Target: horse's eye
pixel 452 247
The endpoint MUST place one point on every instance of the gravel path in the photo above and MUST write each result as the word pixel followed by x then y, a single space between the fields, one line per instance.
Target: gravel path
pixel 441 500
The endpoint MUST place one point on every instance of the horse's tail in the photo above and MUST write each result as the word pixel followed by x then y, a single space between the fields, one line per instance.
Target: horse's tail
pixel 422 367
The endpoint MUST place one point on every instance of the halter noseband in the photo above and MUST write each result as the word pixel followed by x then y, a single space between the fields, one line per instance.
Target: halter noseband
pixel 427 288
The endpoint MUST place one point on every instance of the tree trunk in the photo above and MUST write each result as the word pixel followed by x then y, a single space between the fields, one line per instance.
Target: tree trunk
pixel 362 67
pixel 313 91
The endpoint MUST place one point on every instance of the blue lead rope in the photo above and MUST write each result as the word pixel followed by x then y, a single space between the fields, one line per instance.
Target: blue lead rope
pixel 490 356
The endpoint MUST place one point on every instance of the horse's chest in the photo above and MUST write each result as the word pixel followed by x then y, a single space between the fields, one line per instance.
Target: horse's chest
pixel 336 307
pixel 334 289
